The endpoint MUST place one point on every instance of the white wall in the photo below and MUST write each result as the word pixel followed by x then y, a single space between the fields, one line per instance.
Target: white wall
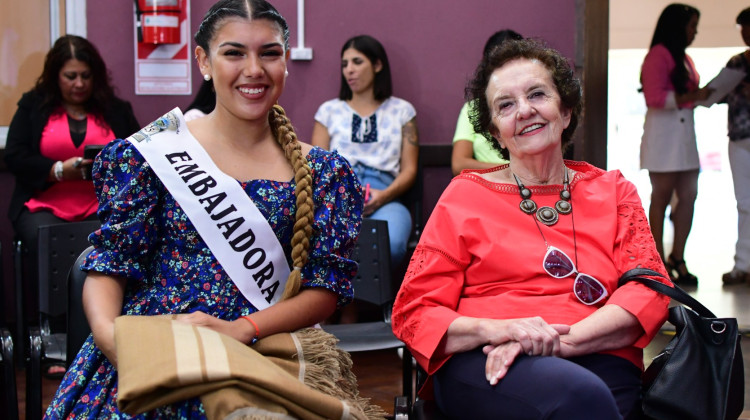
pixel 632 22
pixel 710 247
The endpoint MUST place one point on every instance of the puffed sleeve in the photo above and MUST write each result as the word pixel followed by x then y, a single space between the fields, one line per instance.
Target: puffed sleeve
pixel 635 248
pixel 128 192
pixel 427 300
pixel 323 114
pixel 655 77
pixel 407 112
pixel 338 200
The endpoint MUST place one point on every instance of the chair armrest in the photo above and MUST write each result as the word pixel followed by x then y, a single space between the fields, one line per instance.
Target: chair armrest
pixel 34 375
pixel 10 399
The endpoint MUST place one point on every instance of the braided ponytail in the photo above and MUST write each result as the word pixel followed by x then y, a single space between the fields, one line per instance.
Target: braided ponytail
pixel 287 138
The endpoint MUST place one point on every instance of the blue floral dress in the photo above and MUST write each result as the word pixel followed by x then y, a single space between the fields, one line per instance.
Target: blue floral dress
pixel 148 239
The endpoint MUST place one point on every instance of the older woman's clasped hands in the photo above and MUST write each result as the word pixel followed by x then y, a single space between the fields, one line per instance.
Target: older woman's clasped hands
pixel 530 336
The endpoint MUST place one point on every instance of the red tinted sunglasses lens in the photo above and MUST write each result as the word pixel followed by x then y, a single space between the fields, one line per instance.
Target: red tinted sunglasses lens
pixel 557 264
pixel 588 289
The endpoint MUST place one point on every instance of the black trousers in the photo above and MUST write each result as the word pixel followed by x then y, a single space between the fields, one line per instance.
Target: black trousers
pixel 596 387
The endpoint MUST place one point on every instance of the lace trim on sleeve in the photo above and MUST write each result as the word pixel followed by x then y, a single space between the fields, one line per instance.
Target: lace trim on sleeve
pixel 638 248
pixel 406 318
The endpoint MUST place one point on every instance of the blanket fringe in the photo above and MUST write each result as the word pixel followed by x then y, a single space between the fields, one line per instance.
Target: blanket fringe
pixel 329 369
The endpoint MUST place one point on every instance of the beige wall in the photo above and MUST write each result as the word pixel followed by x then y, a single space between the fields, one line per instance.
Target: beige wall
pixel 24 40
pixel 632 22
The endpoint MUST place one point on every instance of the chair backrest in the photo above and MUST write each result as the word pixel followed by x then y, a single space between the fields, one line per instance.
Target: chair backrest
pixel 59 246
pixel 373 255
pixel 435 169
pixel 78 325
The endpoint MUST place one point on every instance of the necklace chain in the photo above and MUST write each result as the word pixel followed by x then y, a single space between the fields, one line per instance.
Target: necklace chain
pixel 575 243
pixel 565 197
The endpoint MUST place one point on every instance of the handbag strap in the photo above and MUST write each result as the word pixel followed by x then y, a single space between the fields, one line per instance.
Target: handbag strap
pixel 674 292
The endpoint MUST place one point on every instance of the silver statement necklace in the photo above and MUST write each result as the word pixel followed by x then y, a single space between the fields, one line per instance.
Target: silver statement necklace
pixel 545 214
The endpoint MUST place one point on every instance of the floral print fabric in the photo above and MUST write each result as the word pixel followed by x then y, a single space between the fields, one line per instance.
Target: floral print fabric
pixel 147 239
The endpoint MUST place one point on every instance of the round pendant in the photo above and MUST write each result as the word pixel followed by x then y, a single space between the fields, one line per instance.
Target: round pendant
pixel 563 207
pixel 528 206
pixel 547 215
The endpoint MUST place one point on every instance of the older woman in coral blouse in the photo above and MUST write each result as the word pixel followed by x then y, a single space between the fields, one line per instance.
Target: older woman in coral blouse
pixel 510 302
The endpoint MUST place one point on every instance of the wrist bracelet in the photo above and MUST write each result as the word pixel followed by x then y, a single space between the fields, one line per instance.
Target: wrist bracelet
pixel 58 170
pixel 256 337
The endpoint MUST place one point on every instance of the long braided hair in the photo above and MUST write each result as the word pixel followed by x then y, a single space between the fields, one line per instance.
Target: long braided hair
pixel 280 126
pixel 287 138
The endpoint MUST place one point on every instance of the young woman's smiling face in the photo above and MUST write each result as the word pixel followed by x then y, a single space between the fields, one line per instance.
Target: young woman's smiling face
pixel 247 63
pixel 527 113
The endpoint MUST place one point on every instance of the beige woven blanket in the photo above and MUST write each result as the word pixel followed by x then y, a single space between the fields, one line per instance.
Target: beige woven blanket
pixel 299 375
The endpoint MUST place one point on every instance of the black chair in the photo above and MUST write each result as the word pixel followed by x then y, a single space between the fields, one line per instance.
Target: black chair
pixel 77 324
pixel 10 395
pixel 435 173
pixel 425 409
pixel 60 245
pixel 373 284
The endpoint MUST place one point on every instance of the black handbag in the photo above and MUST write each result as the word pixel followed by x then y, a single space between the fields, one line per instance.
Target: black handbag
pixel 699 374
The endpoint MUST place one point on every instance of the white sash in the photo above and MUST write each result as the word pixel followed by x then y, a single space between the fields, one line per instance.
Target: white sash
pixel 225 217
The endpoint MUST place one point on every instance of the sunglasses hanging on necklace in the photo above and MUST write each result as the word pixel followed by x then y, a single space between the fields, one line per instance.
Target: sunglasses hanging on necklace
pixel 586 288
pixel 546 214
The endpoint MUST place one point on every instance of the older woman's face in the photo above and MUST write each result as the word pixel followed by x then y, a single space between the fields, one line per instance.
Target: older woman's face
pixel 75 81
pixel 527 115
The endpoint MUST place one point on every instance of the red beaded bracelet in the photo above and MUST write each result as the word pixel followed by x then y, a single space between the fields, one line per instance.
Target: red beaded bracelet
pixel 256 337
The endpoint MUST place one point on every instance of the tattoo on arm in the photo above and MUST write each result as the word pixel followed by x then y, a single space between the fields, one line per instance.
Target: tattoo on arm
pixel 410 133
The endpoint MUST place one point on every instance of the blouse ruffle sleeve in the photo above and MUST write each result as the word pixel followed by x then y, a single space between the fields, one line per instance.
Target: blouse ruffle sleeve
pixel 338 201
pixel 635 248
pixel 128 195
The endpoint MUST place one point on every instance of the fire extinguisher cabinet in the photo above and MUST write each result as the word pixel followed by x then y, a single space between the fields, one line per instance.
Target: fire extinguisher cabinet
pixel 159 21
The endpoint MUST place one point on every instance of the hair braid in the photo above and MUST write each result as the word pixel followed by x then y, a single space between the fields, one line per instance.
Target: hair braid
pixel 287 138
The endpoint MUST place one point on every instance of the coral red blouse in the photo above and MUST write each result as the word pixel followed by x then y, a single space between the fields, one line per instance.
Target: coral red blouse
pixel 481 256
pixel 68 200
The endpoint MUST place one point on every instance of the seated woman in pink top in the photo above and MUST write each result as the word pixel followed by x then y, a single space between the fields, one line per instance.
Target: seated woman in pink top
pixel 71 106
pixel 668 148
